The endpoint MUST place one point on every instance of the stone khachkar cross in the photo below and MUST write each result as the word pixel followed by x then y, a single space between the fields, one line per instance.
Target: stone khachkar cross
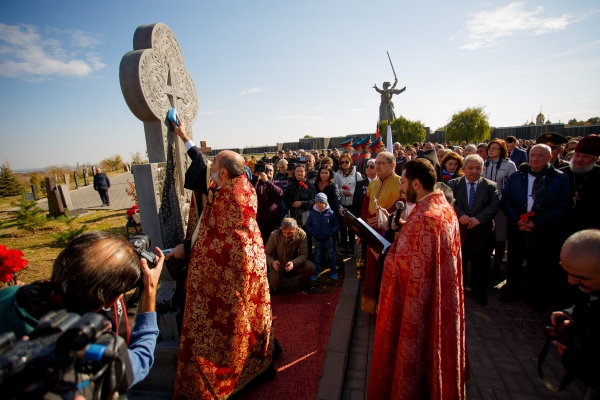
pixel 154 79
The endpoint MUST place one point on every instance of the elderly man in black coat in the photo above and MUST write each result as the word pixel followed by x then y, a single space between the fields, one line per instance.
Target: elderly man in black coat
pixel 535 201
pixel 476 204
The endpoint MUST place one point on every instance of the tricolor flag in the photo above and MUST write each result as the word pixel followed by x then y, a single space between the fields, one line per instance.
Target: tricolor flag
pixel 377 135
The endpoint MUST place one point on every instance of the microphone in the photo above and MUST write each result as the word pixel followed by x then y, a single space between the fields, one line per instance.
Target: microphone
pixel 399 208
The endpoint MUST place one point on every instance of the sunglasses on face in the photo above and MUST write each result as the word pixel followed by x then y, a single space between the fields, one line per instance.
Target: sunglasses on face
pixel 371 166
pixel 345 162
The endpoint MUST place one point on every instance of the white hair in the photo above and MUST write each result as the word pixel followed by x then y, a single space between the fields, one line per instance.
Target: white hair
pixel 542 146
pixel 472 147
pixel 474 158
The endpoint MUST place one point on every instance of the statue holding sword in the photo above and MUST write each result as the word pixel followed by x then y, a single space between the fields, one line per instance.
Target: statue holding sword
pixel 386 108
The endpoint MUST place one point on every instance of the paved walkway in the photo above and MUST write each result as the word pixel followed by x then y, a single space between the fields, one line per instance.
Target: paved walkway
pixel 87 198
pixel 503 342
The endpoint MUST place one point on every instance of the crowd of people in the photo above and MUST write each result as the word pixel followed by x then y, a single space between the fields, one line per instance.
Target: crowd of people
pixel 253 223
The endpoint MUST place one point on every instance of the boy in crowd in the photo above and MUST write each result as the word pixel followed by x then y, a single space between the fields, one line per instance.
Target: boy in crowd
pixel 323 224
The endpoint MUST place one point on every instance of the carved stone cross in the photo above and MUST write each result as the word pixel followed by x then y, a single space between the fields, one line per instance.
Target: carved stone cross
pixel 153 79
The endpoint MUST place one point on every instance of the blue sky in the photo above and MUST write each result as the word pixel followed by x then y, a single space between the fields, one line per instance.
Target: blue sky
pixel 274 71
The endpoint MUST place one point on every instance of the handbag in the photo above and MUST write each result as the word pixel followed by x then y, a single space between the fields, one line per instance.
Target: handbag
pixel 305 215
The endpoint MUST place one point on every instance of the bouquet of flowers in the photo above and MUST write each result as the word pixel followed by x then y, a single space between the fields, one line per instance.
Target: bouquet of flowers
pixel 525 217
pixel 11 262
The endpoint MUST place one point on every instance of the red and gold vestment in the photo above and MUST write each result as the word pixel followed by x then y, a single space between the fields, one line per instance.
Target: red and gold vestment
pixel 420 349
pixel 227 336
pixel 385 194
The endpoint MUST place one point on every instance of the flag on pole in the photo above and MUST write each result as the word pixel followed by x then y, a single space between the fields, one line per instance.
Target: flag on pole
pixel 377 134
pixel 389 141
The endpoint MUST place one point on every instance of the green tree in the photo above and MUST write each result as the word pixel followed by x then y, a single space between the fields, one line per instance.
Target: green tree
pixel 30 217
pixel 594 120
pixel 307 137
pixel 470 125
pixel 9 183
pixel 62 238
pixel 403 130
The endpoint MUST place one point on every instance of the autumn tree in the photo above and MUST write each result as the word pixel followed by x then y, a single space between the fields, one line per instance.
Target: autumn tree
pixel 470 125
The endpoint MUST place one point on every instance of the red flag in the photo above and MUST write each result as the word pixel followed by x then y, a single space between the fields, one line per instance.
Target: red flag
pixel 377 135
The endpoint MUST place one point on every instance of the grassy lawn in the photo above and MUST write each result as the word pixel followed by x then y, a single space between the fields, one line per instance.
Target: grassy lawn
pixel 39 247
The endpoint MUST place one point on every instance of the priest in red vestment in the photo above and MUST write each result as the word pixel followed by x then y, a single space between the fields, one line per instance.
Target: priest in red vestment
pixel 227 337
pixel 382 193
pixel 420 349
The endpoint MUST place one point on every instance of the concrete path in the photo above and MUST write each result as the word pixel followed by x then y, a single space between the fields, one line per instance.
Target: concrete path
pixel 87 198
pixel 503 343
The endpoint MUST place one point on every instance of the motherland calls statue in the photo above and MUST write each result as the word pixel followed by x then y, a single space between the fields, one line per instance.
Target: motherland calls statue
pixel 386 108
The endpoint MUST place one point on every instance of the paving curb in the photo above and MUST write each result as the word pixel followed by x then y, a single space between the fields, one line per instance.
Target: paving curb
pixel 340 336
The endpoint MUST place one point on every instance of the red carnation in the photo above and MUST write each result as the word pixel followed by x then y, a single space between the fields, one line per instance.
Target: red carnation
pixel 304 185
pixel 525 217
pixel 11 261
pixel 345 187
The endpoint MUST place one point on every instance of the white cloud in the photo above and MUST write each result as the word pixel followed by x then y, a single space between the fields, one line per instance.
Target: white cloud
pixel 254 90
pixel 25 53
pixel 486 27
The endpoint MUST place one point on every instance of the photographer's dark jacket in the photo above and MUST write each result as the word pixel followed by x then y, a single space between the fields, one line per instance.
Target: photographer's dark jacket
pixel 585 363
pixel 22 306
pixel 269 198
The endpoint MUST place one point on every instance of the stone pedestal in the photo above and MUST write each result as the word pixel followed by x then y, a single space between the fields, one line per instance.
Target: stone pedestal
pixel 55 204
pixel 34 192
pixel 67 179
pixel 76 180
pixel 85 178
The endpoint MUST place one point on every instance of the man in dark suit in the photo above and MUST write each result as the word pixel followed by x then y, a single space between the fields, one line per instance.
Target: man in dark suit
pixel 535 200
pixel 476 203
pixel 516 155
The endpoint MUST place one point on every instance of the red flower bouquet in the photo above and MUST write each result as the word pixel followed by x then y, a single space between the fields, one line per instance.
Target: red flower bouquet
pixel 11 262
pixel 345 187
pixel 525 217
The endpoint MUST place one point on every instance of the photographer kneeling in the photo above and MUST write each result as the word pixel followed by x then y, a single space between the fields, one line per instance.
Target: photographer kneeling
pixel 89 275
pixel 580 258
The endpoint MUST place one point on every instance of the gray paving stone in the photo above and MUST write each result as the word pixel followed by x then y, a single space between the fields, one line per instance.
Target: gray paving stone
pixel 356 373
pixel 358 395
pixel 473 392
pixel 354 384
pixel 357 361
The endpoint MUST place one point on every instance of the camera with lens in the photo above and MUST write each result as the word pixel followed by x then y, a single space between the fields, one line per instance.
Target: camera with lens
pixel 64 355
pixel 141 244
pixel 565 335
pixel 259 167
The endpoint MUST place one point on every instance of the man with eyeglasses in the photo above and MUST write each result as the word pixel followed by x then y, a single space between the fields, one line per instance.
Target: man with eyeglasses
pixel 380 201
pixel 269 197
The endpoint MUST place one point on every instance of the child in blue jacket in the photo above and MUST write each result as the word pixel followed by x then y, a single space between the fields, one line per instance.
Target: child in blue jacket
pixel 323 224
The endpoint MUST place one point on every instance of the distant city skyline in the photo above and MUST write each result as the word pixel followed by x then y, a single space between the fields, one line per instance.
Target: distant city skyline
pixel 269 72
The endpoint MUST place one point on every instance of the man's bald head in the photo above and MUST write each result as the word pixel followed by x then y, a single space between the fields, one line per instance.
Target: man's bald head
pixel 232 162
pixel 580 258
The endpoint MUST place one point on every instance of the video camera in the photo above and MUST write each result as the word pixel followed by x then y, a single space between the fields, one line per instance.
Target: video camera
pixel 65 354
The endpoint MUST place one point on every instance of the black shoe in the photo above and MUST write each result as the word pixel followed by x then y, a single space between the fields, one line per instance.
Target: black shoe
pixel 351 252
pixel 481 300
pixel 311 289
pixel 344 252
pixel 508 298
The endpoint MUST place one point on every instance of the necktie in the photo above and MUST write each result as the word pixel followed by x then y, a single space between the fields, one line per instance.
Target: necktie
pixel 471 196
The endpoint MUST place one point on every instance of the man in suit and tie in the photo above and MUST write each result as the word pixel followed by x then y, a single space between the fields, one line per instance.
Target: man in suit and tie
pixel 476 203
pixel 516 155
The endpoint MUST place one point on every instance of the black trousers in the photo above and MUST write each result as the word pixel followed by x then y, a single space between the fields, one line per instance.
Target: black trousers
pixel 348 237
pixel 477 245
pixel 104 196
pixel 545 280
